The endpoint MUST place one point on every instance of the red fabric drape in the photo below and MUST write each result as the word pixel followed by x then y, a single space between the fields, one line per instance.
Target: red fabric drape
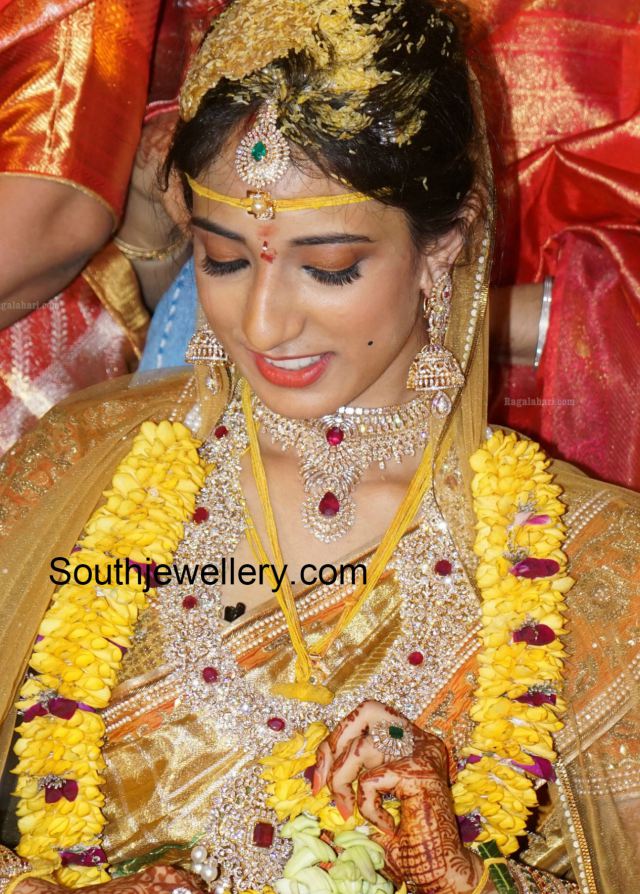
pixel 567 160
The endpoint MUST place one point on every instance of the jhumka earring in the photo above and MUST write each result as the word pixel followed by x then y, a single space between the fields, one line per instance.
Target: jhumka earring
pixel 434 368
pixel 204 347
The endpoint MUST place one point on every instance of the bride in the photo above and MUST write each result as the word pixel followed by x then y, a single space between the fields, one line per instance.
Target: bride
pixel 362 665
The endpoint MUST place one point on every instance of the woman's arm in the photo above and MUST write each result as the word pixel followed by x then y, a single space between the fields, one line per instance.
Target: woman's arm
pixel 514 316
pixel 50 231
pixel 154 222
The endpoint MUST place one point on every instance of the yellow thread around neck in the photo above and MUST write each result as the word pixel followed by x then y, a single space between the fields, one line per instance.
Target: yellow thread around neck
pixel 310 203
pixel 303 689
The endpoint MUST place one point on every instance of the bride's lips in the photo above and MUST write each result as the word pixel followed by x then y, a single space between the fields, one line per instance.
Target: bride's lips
pixel 292 378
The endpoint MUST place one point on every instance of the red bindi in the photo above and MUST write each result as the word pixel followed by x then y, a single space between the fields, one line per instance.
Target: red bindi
pixel 267 254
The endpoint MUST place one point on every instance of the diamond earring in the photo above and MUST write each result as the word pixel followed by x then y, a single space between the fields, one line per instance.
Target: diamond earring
pixel 434 368
pixel 204 347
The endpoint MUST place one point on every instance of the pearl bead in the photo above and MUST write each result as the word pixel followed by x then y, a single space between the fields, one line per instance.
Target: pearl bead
pixel 197 868
pixel 209 872
pixel 219 889
pixel 199 854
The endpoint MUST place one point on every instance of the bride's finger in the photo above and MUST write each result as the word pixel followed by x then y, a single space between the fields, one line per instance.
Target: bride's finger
pixel 324 765
pixel 358 722
pixel 372 785
pixel 360 754
pixel 353 725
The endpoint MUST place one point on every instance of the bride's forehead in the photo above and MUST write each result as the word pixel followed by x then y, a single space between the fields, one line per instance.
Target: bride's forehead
pixel 368 222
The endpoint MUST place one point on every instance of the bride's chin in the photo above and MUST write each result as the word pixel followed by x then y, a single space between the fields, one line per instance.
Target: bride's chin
pixel 312 402
pixel 294 405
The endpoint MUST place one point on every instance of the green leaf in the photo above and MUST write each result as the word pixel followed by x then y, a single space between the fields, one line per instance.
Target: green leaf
pixel 499 872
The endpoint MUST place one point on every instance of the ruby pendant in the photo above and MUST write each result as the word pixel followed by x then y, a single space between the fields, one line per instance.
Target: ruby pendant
pixel 329 505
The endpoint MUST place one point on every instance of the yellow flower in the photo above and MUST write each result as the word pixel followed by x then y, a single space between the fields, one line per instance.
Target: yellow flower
pixel 509 486
pixel 74 657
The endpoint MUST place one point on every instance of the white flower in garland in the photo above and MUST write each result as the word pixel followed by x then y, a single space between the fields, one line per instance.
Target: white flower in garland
pixel 315 867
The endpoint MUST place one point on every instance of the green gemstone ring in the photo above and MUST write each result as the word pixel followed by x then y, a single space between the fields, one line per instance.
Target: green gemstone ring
pixel 394 740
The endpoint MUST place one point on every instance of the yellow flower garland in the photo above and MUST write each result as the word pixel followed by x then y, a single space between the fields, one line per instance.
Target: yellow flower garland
pixel 81 641
pixel 522 581
pixel 85 631
pixel 290 793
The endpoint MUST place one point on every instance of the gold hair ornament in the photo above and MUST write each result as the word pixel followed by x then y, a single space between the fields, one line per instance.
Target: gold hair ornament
pixel 341 47
pixel 263 206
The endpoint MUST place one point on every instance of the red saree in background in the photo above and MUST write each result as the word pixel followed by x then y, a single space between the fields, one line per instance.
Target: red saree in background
pixel 74 85
pixel 76 79
pixel 568 177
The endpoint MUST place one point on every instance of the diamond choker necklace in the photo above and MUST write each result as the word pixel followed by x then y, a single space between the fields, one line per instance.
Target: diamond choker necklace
pixel 335 450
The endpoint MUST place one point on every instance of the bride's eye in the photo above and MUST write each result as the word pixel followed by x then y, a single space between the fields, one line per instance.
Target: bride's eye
pixel 222 268
pixel 335 277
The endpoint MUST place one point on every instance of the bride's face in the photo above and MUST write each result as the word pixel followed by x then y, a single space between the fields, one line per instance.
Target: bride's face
pixel 317 308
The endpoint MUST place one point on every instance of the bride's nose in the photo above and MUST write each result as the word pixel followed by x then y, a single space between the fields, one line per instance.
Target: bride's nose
pixel 271 315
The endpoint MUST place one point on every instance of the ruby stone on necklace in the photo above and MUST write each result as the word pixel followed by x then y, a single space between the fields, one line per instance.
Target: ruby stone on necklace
pixel 334 435
pixel 329 505
pixel 334 451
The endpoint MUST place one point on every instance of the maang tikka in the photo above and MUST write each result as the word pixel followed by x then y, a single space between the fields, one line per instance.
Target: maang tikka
pixel 434 368
pixel 262 158
pixel 204 347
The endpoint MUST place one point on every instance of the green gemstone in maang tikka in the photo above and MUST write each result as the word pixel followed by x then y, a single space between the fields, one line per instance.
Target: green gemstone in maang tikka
pixel 258 151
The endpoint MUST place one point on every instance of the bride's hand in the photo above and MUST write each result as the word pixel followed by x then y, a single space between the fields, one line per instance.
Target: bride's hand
pixel 424 850
pixel 153 880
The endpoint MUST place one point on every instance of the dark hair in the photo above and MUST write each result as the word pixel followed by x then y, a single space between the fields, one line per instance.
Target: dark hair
pixel 429 177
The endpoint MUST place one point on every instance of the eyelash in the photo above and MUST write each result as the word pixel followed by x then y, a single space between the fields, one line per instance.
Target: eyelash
pixel 335 277
pixel 326 277
pixel 222 268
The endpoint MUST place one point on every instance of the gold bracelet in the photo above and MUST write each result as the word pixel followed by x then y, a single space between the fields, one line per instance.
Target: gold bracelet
pixel 134 253
pixel 525 883
pixel 549 884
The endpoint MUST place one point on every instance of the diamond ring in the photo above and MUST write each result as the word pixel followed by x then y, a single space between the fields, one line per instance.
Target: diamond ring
pixel 394 740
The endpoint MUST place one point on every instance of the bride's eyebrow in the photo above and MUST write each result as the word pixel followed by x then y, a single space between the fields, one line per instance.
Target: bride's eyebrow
pixel 204 224
pixel 330 239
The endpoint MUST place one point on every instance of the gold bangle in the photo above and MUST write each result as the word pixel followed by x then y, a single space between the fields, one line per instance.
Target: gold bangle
pixel 135 253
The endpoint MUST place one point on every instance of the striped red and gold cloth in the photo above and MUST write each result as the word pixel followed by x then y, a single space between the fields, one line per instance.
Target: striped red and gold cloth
pixel 79 77
pixel 568 180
